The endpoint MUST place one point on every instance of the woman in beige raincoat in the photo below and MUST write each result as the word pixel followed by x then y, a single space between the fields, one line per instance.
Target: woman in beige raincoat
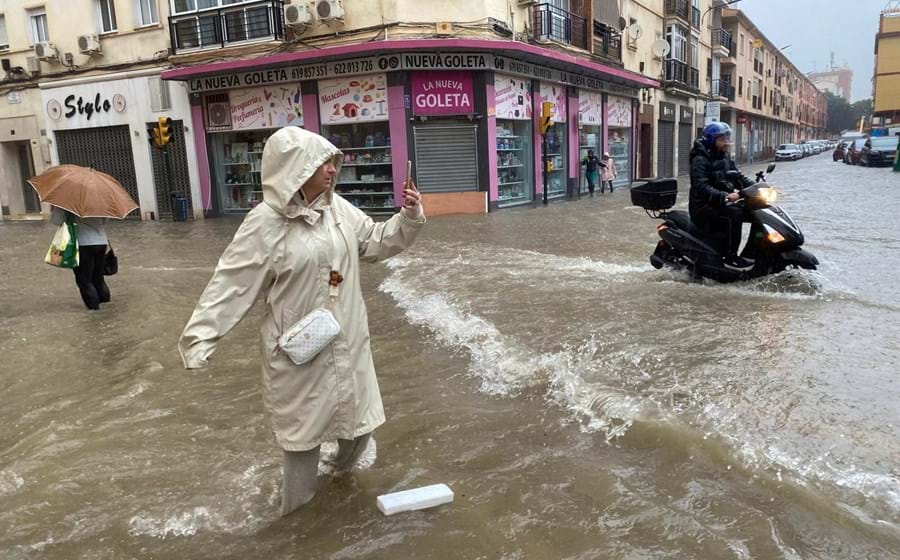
pixel 285 250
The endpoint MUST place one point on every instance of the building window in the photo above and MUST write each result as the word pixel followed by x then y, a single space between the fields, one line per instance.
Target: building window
pixel 677 38
pixel 146 12
pixel 742 44
pixel 184 6
pixel 39 30
pixel 695 52
pixel 106 16
pixel 740 85
pixel 4 41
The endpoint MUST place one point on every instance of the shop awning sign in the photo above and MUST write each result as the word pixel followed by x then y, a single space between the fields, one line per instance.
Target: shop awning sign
pixel 405 61
pixel 442 93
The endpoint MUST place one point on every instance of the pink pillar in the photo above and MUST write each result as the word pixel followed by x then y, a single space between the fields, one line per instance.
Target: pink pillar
pixel 310 105
pixel 604 138
pixel 202 156
pixel 493 187
pixel 635 127
pixel 572 123
pixel 399 148
pixel 536 125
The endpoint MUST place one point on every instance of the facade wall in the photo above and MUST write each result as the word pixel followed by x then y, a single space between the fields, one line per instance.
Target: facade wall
pixel 887 69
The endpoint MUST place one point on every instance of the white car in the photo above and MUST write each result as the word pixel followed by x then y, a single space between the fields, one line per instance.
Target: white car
pixel 792 152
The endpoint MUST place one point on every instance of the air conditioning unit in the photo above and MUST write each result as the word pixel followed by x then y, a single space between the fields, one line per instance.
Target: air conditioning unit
pixel 46 51
pixel 89 44
pixel 329 10
pixel 33 64
pixel 298 16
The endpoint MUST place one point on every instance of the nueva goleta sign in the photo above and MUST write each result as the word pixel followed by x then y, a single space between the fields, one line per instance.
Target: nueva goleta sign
pixel 411 61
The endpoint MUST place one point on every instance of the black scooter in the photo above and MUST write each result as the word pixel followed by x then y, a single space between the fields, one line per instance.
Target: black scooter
pixel 774 245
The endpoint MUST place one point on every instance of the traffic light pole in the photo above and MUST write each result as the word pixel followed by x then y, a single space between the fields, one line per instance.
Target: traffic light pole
pixel 544 160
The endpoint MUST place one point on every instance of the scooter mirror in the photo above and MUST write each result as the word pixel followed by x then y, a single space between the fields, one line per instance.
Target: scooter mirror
pixel 771 168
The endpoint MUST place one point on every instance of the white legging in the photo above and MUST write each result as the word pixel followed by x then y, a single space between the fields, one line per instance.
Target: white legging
pixel 301 470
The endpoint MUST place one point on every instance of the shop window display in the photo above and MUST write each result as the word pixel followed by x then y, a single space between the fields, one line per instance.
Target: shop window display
pixel 556 152
pixel 514 167
pixel 588 139
pixel 366 177
pixel 239 169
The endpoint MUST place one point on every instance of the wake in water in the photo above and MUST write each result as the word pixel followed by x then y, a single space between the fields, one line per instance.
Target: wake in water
pixel 607 389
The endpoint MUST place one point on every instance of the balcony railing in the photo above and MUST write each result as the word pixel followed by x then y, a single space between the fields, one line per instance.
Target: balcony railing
pixel 722 88
pixel 679 8
pixel 220 27
pixel 722 38
pixel 606 43
pixel 559 25
pixel 678 72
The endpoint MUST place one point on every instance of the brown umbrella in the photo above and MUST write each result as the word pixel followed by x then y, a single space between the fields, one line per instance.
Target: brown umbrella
pixel 84 192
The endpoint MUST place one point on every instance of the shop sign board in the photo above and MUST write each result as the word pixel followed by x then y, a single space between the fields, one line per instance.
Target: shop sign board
pixel 590 107
pixel 713 112
pixel 443 93
pixel 666 111
pixel 405 61
pixel 512 96
pixel 618 112
pixel 556 94
pixel 353 100
pixel 266 107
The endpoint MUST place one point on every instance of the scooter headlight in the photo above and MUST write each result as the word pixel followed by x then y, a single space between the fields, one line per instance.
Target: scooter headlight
pixel 768 195
pixel 773 236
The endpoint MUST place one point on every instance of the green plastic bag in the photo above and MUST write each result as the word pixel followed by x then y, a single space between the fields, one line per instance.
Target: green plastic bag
pixel 63 251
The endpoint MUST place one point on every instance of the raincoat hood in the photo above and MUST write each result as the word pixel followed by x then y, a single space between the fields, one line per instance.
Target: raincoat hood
pixel 291 156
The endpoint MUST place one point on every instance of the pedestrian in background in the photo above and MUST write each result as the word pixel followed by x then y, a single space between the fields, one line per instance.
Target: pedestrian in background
pixel 92 244
pixel 608 173
pixel 300 249
pixel 592 165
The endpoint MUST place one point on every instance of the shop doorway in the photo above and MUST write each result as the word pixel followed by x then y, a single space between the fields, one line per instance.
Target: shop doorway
pixel 446 157
pixel 176 179
pixel 26 168
pixel 666 149
pixel 106 149
pixel 685 141
pixel 646 169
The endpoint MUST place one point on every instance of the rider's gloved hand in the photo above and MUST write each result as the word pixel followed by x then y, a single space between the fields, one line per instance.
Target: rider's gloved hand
pixel 732 197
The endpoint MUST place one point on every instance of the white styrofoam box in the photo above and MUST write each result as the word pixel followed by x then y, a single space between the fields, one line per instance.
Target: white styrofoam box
pixel 416 498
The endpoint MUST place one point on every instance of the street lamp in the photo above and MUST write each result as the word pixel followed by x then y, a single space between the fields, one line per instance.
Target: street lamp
pixel 730 2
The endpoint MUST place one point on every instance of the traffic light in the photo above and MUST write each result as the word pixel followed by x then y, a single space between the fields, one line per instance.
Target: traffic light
pixel 549 165
pixel 165 135
pixel 153 134
pixel 546 116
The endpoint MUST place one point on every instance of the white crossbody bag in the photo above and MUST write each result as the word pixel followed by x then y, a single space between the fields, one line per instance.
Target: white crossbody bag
pixel 317 329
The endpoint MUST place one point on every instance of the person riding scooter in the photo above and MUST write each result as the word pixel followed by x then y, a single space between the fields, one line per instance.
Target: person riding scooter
pixel 712 191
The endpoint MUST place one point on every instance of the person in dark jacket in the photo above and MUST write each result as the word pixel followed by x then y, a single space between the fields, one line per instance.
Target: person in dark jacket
pixel 712 192
pixel 592 165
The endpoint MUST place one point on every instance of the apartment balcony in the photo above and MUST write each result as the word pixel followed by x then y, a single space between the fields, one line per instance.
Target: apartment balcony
pixel 680 75
pixel 227 26
pixel 680 9
pixel 555 24
pixel 722 43
pixel 607 44
pixel 722 89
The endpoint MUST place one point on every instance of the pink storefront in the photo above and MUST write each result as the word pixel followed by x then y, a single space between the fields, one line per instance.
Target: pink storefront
pixel 463 111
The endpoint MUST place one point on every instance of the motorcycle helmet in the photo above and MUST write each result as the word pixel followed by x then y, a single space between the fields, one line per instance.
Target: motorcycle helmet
pixel 712 131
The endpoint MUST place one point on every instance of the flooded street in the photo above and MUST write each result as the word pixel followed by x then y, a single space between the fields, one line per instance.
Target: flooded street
pixel 580 403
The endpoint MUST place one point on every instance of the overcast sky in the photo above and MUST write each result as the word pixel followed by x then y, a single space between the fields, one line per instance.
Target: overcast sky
pixel 814 28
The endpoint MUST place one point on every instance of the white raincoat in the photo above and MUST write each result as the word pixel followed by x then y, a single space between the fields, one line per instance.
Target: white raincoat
pixel 284 250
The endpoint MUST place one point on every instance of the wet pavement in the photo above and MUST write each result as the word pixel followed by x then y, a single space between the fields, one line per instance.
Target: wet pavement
pixel 580 403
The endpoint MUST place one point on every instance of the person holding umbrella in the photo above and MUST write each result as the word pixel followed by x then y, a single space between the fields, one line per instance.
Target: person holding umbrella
pixel 89 198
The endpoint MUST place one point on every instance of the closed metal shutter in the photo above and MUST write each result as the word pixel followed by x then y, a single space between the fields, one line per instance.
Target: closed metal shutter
pixel 106 149
pixel 178 161
pixel 685 141
pixel 665 148
pixel 446 158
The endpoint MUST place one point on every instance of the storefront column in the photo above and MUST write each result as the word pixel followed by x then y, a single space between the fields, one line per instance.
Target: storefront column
pixel 493 188
pixel 202 156
pixel 574 152
pixel 635 136
pixel 398 125
pixel 310 103
pixel 605 138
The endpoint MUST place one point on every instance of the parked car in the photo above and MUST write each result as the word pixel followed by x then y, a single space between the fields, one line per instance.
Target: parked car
pixel 838 153
pixel 788 152
pixel 851 154
pixel 807 150
pixel 879 151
